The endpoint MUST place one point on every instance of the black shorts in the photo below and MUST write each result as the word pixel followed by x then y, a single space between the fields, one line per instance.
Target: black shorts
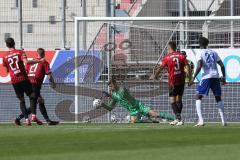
pixel 176 90
pixel 37 89
pixel 23 87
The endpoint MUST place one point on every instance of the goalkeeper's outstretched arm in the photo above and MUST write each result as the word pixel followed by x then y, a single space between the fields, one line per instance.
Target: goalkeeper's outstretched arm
pixel 109 105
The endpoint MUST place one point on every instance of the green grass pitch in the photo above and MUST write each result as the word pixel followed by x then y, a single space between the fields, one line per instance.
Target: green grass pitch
pixel 120 142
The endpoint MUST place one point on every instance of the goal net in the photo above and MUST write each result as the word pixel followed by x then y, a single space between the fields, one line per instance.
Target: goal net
pixel 129 48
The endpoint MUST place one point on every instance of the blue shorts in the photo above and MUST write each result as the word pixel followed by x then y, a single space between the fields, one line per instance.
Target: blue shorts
pixel 210 83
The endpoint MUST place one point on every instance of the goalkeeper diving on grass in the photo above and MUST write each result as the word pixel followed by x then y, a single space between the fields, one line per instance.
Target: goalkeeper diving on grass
pixel 120 95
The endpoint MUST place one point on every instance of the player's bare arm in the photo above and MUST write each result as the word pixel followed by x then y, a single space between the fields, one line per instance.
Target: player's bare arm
pixel 156 72
pixel 5 66
pixel 51 80
pixel 26 61
pixel 199 67
pixel 223 79
pixel 6 69
pixel 34 61
pixel 188 72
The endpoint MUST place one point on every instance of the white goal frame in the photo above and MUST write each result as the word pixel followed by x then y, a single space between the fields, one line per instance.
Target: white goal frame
pixel 114 19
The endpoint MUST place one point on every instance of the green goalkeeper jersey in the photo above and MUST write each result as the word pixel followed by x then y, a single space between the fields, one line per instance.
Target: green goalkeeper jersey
pixel 126 100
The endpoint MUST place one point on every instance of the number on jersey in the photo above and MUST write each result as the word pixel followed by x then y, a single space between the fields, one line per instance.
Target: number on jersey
pixel 13 63
pixel 176 64
pixel 33 68
pixel 210 57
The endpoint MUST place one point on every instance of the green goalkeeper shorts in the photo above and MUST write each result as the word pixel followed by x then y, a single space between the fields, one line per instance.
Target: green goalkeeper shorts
pixel 141 109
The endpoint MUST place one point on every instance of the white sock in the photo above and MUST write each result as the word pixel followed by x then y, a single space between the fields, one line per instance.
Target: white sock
pixel 221 111
pixel 199 110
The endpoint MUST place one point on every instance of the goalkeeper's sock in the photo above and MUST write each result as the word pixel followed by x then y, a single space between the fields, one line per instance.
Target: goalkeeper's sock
pixel 221 111
pixel 199 110
pixel 164 115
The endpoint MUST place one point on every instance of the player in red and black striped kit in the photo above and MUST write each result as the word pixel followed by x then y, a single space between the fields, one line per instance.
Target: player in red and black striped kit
pixel 175 62
pixel 13 61
pixel 36 74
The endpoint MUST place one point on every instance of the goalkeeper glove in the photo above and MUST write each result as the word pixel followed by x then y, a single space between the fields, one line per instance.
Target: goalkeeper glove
pixel 105 94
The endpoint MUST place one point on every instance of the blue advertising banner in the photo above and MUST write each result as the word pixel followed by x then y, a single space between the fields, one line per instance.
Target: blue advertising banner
pixel 63 66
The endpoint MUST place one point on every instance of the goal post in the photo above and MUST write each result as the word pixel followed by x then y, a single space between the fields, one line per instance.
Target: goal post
pixel 128 48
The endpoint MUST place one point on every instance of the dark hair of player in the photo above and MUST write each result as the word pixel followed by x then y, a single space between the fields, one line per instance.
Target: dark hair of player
pixel 10 43
pixel 184 53
pixel 172 45
pixel 112 81
pixel 41 52
pixel 203 42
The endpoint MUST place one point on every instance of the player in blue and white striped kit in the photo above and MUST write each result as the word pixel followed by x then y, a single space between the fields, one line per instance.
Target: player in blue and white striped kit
pixel 207 60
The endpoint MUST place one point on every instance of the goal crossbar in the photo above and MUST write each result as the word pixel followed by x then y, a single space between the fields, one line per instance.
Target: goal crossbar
pixel 209 18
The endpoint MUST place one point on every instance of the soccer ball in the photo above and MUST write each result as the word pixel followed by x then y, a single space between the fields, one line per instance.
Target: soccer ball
pixel 96 102
pixel 86 119
pixel 113 118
